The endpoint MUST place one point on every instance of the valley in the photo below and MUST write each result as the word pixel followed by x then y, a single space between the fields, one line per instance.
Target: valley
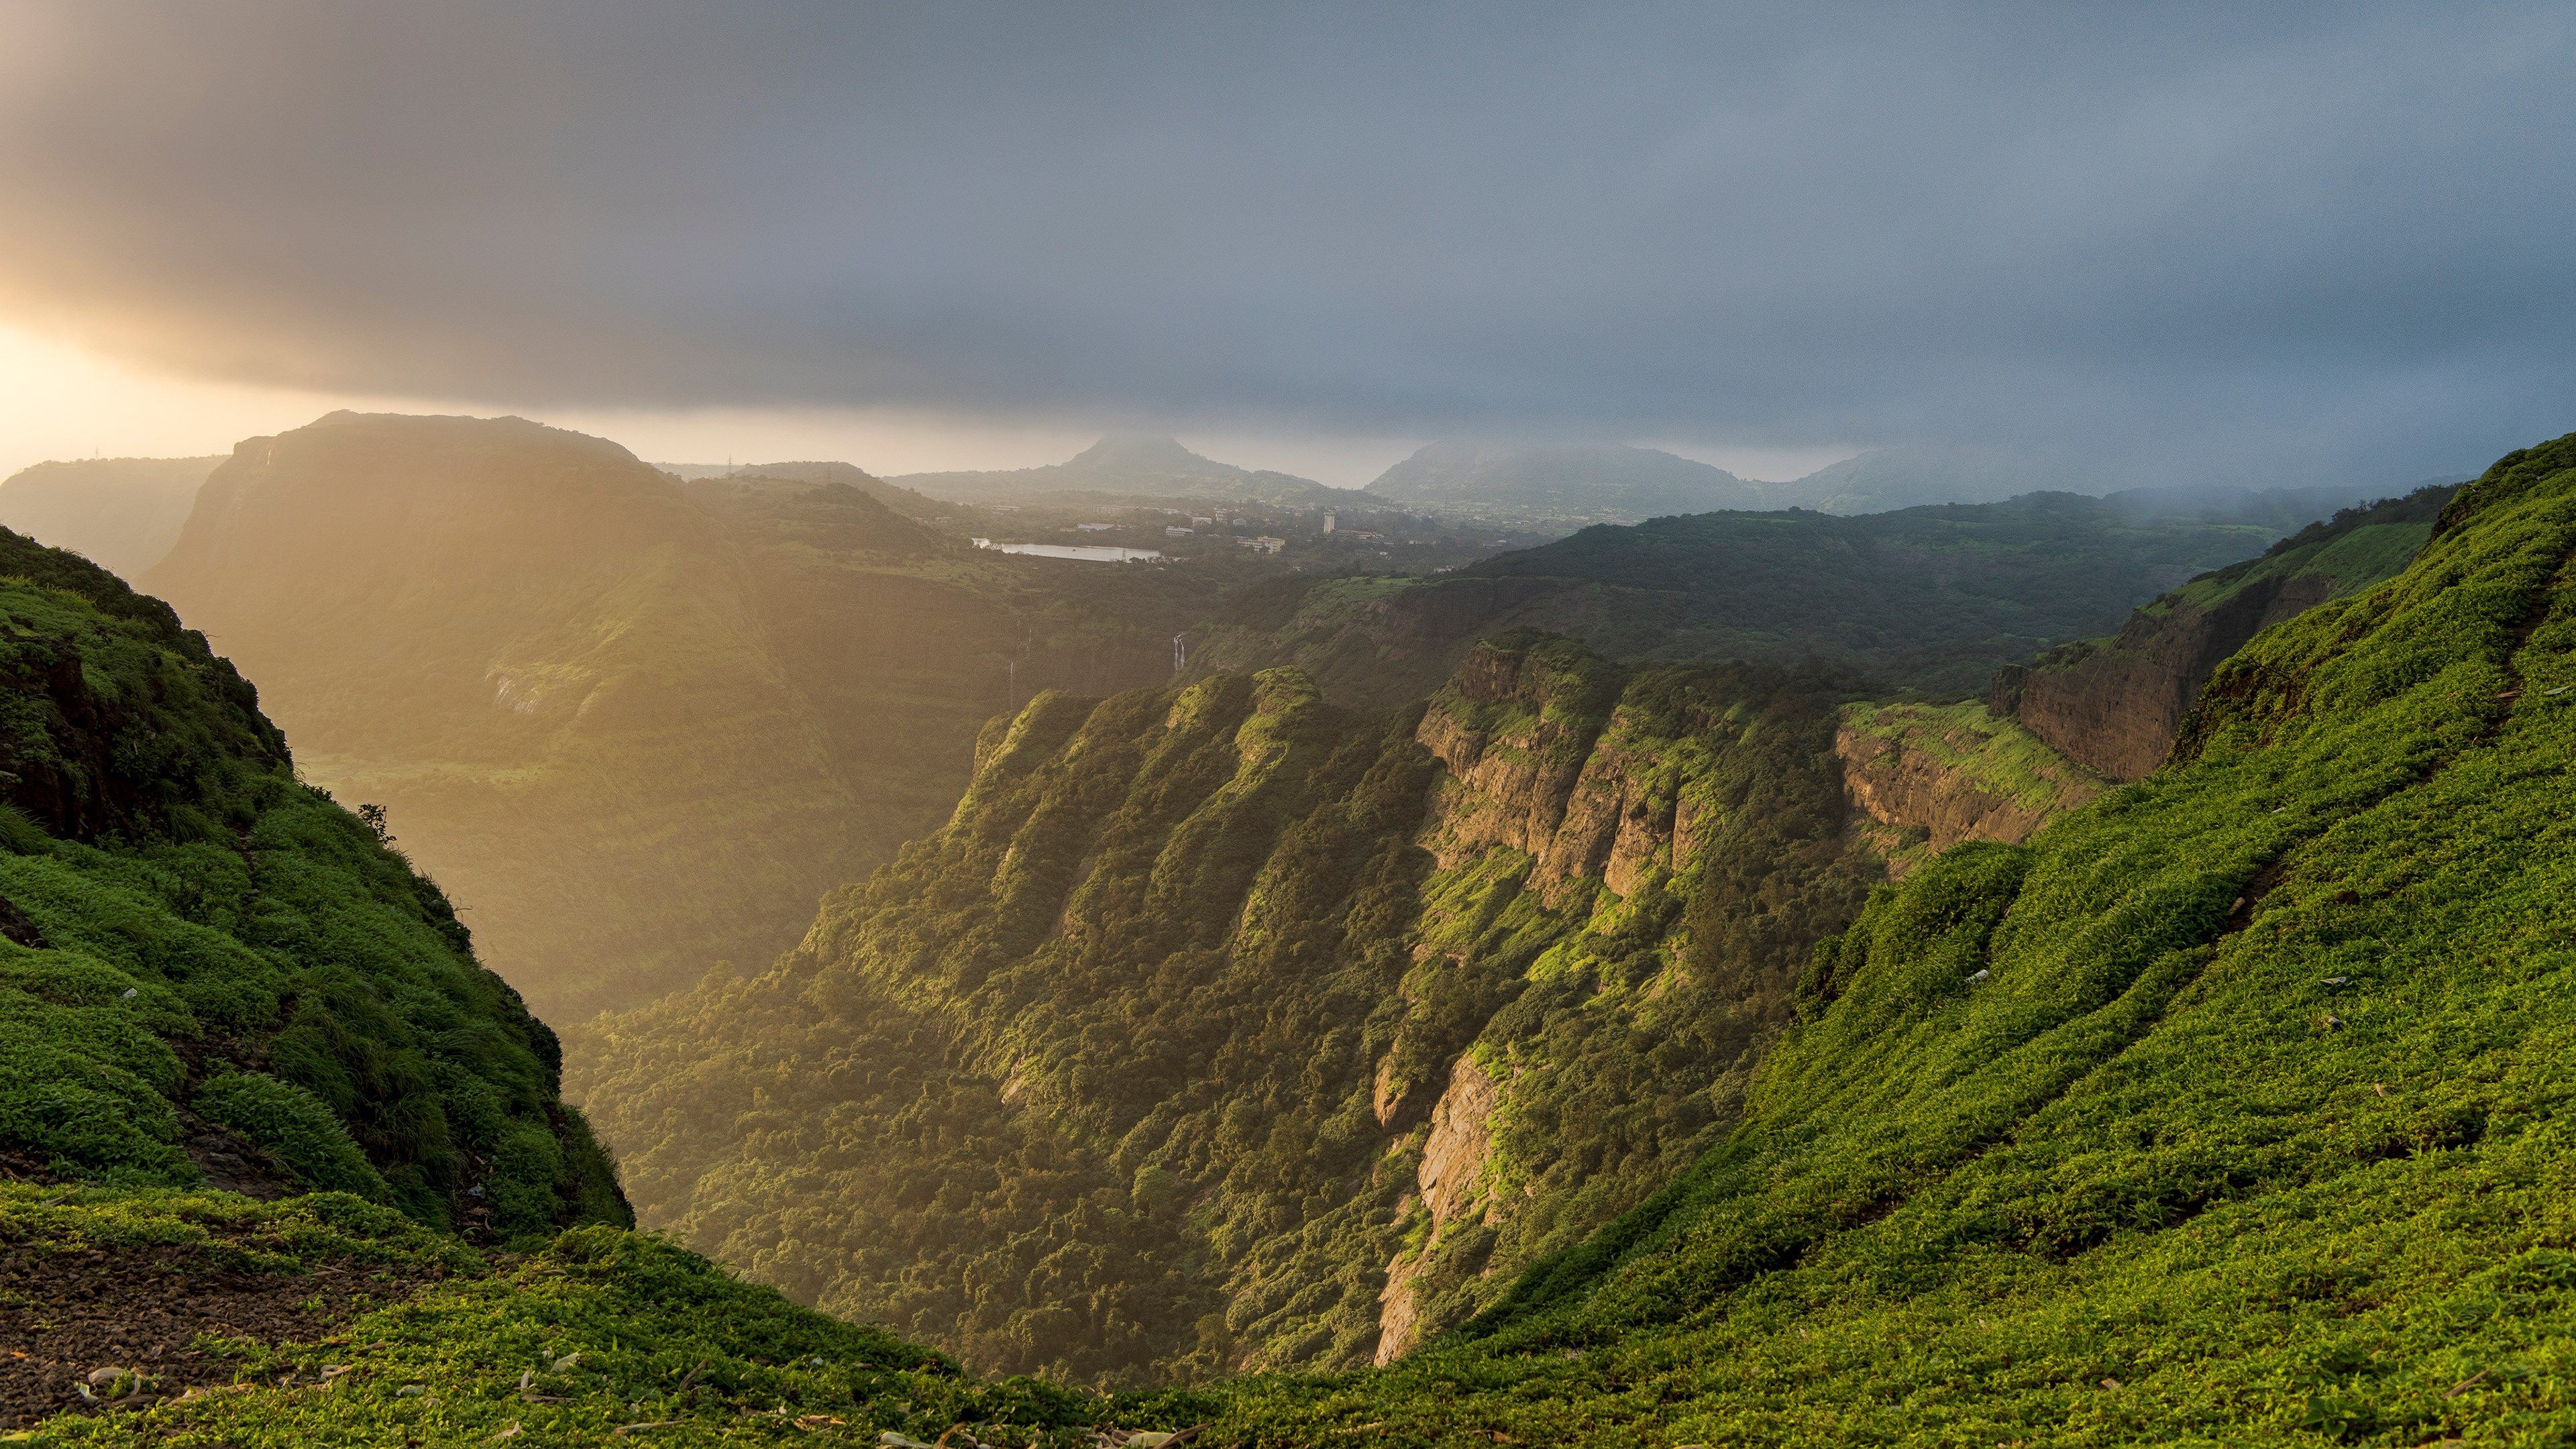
pixel 1230 1023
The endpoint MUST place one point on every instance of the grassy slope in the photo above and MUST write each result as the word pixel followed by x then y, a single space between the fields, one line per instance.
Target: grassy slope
pixel 599 1330
pixel 194 938
pixel 2253 1130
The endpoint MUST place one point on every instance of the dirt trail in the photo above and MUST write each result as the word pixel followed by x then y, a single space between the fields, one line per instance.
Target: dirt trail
pixel 66 1316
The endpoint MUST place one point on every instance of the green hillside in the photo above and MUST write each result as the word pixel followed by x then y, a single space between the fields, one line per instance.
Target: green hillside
pixel 210 968
pixel 1222 1028
pixel 1926 599
pixel 279 1163
pixel 2116 704
pixel 2227 1110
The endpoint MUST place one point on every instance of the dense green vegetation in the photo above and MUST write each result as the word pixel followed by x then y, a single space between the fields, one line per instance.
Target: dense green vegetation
pixel 1931 600
pixel 1133 1069
pixel 2229 1109
pixel 203 954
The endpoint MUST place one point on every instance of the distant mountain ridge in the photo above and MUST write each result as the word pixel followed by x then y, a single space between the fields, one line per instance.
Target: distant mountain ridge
pixel 1932 599
pixel 122 514
pixel 1135 464
pixel 1571 479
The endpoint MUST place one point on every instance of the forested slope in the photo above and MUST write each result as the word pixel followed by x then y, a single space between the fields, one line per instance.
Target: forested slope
pixel 2230 1109
pixel 1224 1028
pixel 1930 599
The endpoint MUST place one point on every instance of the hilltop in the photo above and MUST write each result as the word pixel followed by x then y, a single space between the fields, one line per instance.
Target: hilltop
pixel 1132 465
pixel 1564 480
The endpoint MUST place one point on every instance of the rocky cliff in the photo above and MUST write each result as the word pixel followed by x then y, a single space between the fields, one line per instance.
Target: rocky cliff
pixel 1930 776
pixel 2115 704
pixel 1252 1031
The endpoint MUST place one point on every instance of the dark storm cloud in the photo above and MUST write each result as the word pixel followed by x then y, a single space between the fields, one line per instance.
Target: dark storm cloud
pixel 2298 235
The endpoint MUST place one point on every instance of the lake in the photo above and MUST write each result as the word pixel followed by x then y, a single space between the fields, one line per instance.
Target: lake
pixel 1094 553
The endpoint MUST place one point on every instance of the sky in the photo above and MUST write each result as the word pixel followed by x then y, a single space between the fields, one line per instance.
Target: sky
pixel 2287 242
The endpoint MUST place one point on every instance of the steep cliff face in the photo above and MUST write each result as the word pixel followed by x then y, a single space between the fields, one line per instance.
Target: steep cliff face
pixel 1252 1032
pixel 1451 1173
pixel 1931 776
pixel 2114 705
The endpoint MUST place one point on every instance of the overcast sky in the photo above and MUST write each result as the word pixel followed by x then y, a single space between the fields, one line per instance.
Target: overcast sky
pixel 2269 240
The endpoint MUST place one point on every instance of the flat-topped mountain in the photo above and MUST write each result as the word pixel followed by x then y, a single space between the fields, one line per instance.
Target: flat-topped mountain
pixel 546 661
pixel 122 514
pixel 1562 479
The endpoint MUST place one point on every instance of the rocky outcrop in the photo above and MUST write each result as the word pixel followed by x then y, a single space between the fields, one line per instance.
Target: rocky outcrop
pixel 1516 728
pixel 1937 775
pixel 1541 761
pixel 1452 1171
pixel 2116 704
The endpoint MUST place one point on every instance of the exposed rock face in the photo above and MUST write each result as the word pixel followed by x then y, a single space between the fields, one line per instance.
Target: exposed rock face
pixel 2115 705
pixel 1453 1162
pixel 1950 774
pixel 1517 738
pixel 1542 762
pixel 1453 1158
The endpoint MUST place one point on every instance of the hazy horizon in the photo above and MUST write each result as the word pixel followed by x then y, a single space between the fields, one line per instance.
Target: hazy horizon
pixel 2203 243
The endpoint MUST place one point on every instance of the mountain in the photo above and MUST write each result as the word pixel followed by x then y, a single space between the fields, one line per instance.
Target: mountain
pixel 1574 481
pixel 120 513
pixel 1928 599
pixel 1885 479
pixel 1175 1052
pixel 1132 465
pixel 2116 704
pixel 637 727
pixel 906 501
